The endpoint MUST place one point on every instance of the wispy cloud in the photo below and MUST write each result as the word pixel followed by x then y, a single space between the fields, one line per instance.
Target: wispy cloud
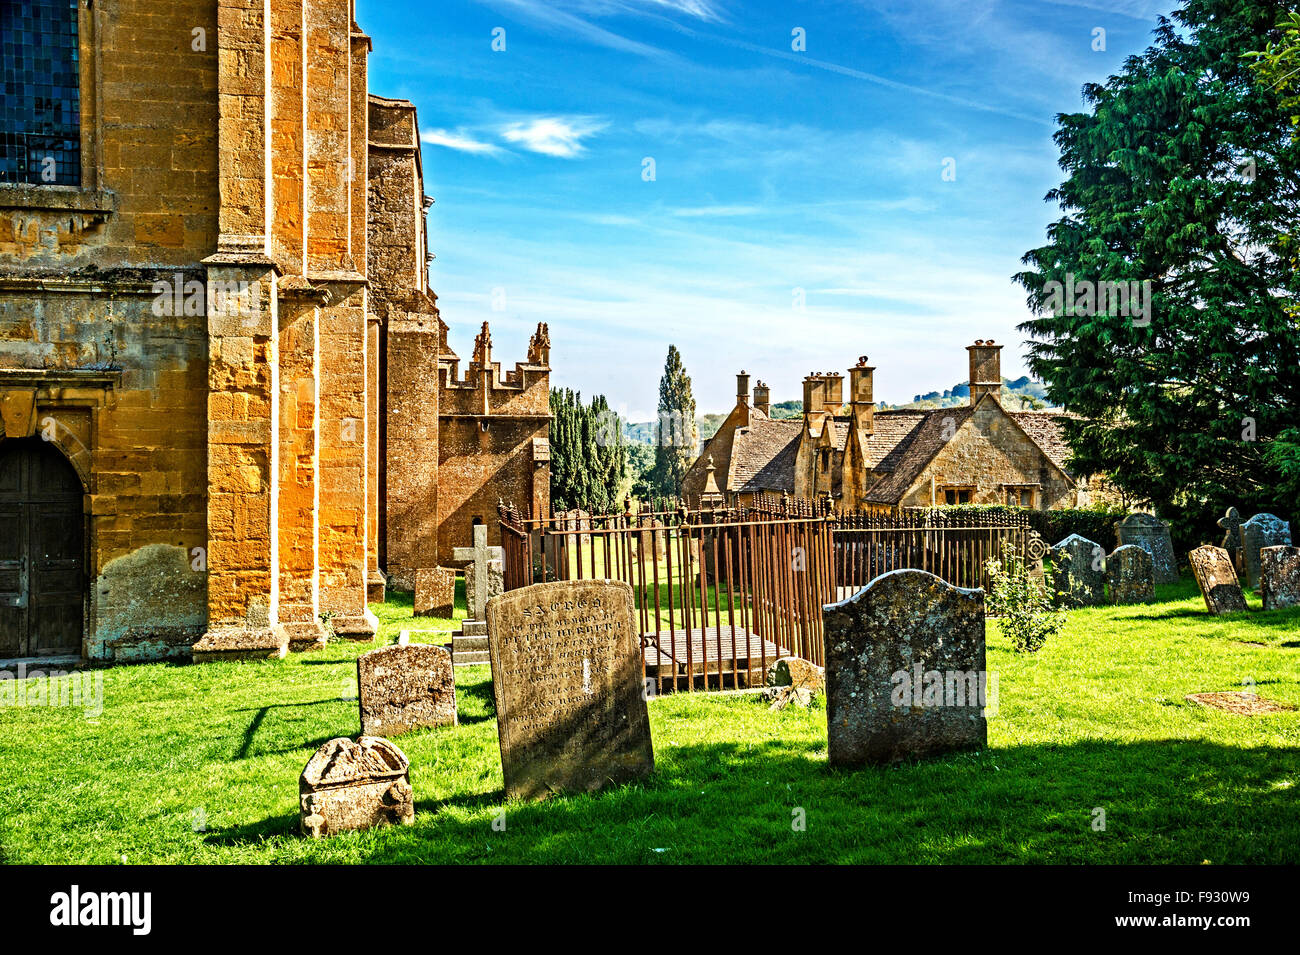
pixel 560 136
pixel 458 140
pixel 715 212
pixel 549 17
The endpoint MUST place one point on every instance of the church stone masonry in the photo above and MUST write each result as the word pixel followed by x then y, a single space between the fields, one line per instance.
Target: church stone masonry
pixel 223 378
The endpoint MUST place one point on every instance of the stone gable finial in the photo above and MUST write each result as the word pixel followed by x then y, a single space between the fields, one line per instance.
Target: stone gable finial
pixel 539 346
pixel 483 347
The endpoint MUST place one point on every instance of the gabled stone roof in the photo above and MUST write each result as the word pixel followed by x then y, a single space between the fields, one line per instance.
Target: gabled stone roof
pixel 762 455
pixel 1045 428
pixel 914 451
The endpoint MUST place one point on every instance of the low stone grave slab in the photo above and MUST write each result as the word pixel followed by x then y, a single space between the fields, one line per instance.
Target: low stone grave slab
pixel 405 687
pixel 1242 704
pixel 1279 576
pixel 435 592
pixel 350 785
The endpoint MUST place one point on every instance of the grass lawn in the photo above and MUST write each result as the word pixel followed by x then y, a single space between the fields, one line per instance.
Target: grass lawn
pixel 200 764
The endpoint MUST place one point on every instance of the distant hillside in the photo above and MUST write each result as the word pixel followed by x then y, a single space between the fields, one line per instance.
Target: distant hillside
pixel 1023 394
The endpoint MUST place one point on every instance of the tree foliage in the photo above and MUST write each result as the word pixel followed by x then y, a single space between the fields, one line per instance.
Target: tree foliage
pixel 1183 173
pixel 676 433
pixel 588 454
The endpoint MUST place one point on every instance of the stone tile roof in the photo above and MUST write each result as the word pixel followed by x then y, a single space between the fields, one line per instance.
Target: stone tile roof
pixel 891 435
pixel 914 451
pixel 1045 427
pixel 762 455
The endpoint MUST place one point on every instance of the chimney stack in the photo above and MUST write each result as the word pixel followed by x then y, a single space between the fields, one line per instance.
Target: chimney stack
pixel 862 397
pixel 985 371
pixel 742 396
pixel 822 392
pixel 814 395
pixel 762 398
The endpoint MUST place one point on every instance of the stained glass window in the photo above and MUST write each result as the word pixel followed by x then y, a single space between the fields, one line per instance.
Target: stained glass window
pixel 40 105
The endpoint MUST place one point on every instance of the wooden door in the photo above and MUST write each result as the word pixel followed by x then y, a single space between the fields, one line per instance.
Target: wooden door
pixel 42 551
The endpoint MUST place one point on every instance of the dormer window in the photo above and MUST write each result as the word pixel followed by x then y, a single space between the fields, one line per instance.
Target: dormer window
pixel 40 109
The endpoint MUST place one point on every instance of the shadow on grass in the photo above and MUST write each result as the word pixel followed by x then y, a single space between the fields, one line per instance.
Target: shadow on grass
pixel 1171 801
pixel 259 718
pixel 481 691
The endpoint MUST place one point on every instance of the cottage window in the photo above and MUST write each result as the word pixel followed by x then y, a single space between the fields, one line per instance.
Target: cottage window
pixel 40 110
pixel 958 495
pixel 1020 497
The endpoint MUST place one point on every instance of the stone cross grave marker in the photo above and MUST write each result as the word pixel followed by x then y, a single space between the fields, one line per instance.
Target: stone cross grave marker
pixel 1262 530
pixel 1131 575
pixel 566 676
pixel 405 687
pixel 1279 575
pixel 1152 535
pixel 905 671
pixel 1231 524
pixel 1079 571
pixel 1212 567
pixel 480 554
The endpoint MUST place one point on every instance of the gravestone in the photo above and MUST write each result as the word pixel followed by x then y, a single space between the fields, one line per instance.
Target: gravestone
pixel 1231 524
pixel 495 584
pixel 566 677
pixel 1131 575
pixel 1212 567
pixel 405 687
pixel 1279 574
pixel 355 785
pixel 1078 571
pixel 1262 530
pixel 435 592
pixel 1152 535
pixel 478 584
pixel 905 671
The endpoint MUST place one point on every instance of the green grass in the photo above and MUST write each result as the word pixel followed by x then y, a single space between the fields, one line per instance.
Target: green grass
pixel 1097 719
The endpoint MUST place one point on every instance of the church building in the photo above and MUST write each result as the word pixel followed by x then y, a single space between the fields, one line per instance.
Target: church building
pixel 231 416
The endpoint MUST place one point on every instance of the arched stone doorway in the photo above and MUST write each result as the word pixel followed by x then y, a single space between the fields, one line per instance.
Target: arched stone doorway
pixel 42 551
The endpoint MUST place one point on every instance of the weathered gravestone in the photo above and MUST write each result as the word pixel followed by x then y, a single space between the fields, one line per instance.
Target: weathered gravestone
pixel 1279 574
pixel 1152 535
pixel 1231 524
pixel 435 592
pixel 405 687
pixel 1212 567
pixel 355 785
pixel 1131 575
pixel 1078 571
pixel 485 562
pixel 1262 530
pixel 905 672
pixel 566 676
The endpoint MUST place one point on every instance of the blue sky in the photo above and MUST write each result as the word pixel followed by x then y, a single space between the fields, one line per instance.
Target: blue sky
pixel 775 170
